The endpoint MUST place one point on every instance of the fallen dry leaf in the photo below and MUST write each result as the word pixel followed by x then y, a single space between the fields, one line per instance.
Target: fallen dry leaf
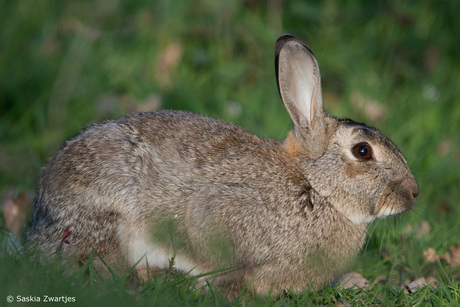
pixel 444 147
pixel 444 207
pixel 333 100
pixel 430 255
pixel 353 280
pixel 15 212
pixel 420 230
pixel 152 103
pixel 425 228
pixel 167 61
pixel 375 110
pixel 455 253
pixel 342 304
pixel 420 283
pixel 452 257
pixel 130 104
pixel 381 278
pixel 385 254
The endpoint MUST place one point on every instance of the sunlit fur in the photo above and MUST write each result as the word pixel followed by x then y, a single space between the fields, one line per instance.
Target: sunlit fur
pixel 149 187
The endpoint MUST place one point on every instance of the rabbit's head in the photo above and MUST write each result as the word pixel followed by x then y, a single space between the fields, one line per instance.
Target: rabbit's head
pixel 360 171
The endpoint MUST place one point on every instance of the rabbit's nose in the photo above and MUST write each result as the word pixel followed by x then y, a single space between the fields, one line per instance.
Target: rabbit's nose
pixel 415 193
pixel 413 187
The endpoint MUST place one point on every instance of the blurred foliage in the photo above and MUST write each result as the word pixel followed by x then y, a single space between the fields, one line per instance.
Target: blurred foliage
pixel 392 64
pixel 66 64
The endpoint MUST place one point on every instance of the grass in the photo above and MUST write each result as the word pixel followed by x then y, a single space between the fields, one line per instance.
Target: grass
pixel 393 65
pixel 51 278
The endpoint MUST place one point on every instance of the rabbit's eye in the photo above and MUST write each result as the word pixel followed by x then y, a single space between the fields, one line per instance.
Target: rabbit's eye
pixel 362 151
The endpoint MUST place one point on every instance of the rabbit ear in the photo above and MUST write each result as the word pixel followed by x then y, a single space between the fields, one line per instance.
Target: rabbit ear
pixel 299 82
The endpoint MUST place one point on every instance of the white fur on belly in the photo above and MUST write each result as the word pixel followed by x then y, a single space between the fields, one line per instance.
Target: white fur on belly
pixel 157 256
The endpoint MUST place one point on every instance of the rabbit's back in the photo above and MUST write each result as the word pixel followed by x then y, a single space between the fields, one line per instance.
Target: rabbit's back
pixel 152 166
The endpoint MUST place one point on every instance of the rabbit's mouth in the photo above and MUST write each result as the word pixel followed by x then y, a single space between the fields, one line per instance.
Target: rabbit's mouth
pixel 399 196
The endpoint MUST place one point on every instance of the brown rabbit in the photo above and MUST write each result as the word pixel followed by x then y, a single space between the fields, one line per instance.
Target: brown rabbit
pixel 277 215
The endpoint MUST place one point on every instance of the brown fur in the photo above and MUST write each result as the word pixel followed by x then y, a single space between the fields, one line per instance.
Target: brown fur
pixel 273 215
pixel 291 145
pixel 355 169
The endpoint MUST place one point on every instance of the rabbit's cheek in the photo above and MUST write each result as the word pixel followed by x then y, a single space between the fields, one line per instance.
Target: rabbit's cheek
pixel 353 170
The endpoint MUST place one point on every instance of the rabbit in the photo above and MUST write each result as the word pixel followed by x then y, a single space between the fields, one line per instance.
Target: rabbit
pixel 150 188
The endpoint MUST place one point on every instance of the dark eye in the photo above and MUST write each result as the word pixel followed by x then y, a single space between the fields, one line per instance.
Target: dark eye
pixel 362 151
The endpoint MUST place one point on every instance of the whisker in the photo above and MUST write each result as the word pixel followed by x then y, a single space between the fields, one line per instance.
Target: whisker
pixel 381 241
pixel 370 235
pixel 415 211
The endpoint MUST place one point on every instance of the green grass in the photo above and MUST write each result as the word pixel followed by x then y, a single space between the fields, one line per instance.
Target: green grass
pixel 66 64
pixel 52 278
